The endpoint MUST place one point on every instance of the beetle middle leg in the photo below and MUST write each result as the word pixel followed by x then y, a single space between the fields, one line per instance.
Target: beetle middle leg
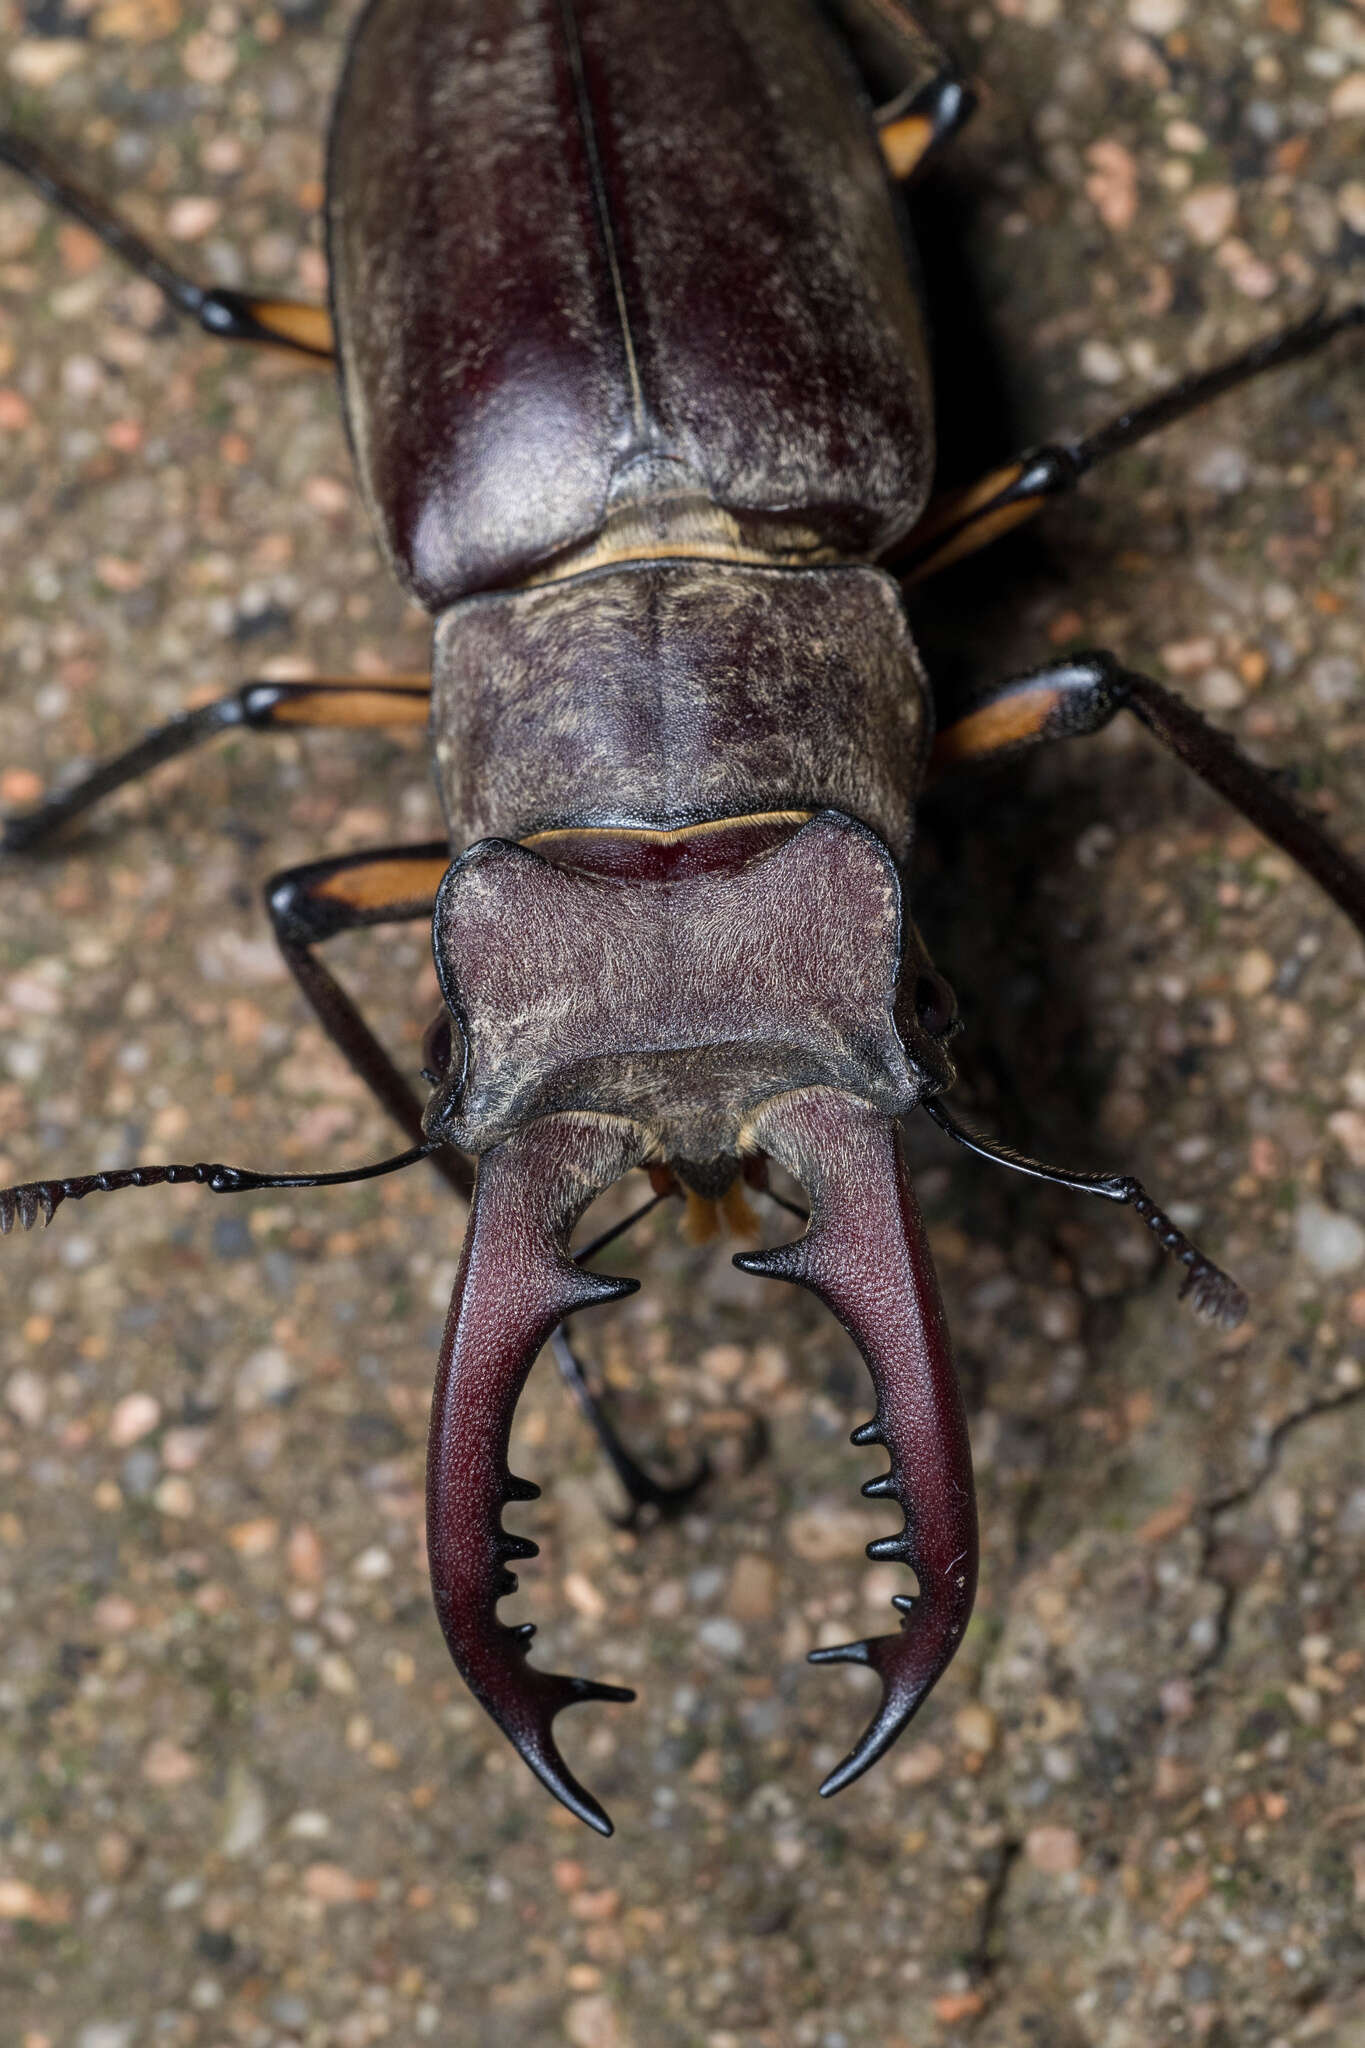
pixel 1070 698
pixel 255 707
pixel 960 522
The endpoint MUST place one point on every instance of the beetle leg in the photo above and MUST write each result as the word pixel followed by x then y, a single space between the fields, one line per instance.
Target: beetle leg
pixel 960 522
pixel 866 1255
pixel 918 96
pixel 231 316
pixel 1080 695
pixel 311 903
pixel 515 1284
pixel 256 707
pixel 642 1488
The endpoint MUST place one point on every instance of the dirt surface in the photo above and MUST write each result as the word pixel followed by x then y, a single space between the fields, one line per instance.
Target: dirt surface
pixel 245 1799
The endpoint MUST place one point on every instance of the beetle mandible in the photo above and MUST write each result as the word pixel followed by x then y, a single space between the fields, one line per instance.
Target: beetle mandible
pixel 633 366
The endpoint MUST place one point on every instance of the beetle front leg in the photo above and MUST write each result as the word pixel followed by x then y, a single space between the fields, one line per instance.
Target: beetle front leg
pixel 316 902
pixel 387 702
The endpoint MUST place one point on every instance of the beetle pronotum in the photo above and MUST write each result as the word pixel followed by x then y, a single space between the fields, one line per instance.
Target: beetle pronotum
pixel 633 368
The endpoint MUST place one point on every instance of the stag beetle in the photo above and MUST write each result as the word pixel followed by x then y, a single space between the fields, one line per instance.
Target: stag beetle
pixel 634 370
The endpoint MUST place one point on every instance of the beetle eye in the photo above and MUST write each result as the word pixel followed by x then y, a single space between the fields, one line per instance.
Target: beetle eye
pixel 438 1044
pixel 935 1004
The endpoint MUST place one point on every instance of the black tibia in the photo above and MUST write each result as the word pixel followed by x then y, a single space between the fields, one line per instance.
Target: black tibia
pixel 643 1490
pixel 1080 695
pixel 392 885
pixel 865 1254
pixel 256 707
pixel 1250 789
pixel 1213 1292
pixel 516 1282
pixel 232 316
pixel 42 1198
pixel 962 521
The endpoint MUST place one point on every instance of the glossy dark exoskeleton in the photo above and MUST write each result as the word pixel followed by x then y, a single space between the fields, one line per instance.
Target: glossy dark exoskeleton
pixel 634 371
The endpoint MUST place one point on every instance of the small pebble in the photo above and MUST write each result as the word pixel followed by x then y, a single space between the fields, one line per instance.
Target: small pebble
pixel 1331 1243
pixel 828 1531
pixel 333 1885
pixel 1100 363
pixel 921 1762
pixel 1053 1850
pixel 1111 184
pixel 134 1417
pixel 753 1587
pixel 1156 17
pixel 255 1538
pixel 40 63
pixel 166 1764
pixel 1208 213
pixel 26 1397
pixel 189 219
pixel 374 1563
pixel 593 2022
pixel 723 1636
pixel 1347 102
pixel 174 1496
pixel 1254 973
pixel 1221 690
pixel 246 1813
pixel 975 1728
pixel 583 1596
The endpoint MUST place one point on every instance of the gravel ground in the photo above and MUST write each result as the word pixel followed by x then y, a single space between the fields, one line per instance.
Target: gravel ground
pixel 245 1800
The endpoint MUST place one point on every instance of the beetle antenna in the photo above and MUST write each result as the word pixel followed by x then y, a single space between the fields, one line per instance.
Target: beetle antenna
pixel 1213 1293
pixel 42 1198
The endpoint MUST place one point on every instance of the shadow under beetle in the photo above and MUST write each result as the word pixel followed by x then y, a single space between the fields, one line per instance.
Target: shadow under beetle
pixel 634 371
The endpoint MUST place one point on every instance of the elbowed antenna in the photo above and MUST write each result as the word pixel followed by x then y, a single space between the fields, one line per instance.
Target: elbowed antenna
pixel 35 1199
pixel 1214 1293
pixel 866 1255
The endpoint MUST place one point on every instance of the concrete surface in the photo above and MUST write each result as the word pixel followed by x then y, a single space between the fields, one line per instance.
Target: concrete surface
pixel 245 1800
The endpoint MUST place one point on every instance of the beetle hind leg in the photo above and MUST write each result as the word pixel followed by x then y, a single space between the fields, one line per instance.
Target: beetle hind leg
pixel 231 316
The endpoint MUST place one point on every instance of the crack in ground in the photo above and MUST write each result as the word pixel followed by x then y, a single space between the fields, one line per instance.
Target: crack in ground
pixel 979 1960
pixel 1238 1497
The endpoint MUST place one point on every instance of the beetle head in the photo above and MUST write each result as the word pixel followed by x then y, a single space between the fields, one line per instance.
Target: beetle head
pixel 678 981
pixel 622 997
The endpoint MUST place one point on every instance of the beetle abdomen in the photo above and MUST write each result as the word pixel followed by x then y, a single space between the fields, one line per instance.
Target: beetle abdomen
pixel 590 253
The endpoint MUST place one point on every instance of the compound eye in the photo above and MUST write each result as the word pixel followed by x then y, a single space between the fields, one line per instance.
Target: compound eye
pixel 438 1046
pixel 935 1004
